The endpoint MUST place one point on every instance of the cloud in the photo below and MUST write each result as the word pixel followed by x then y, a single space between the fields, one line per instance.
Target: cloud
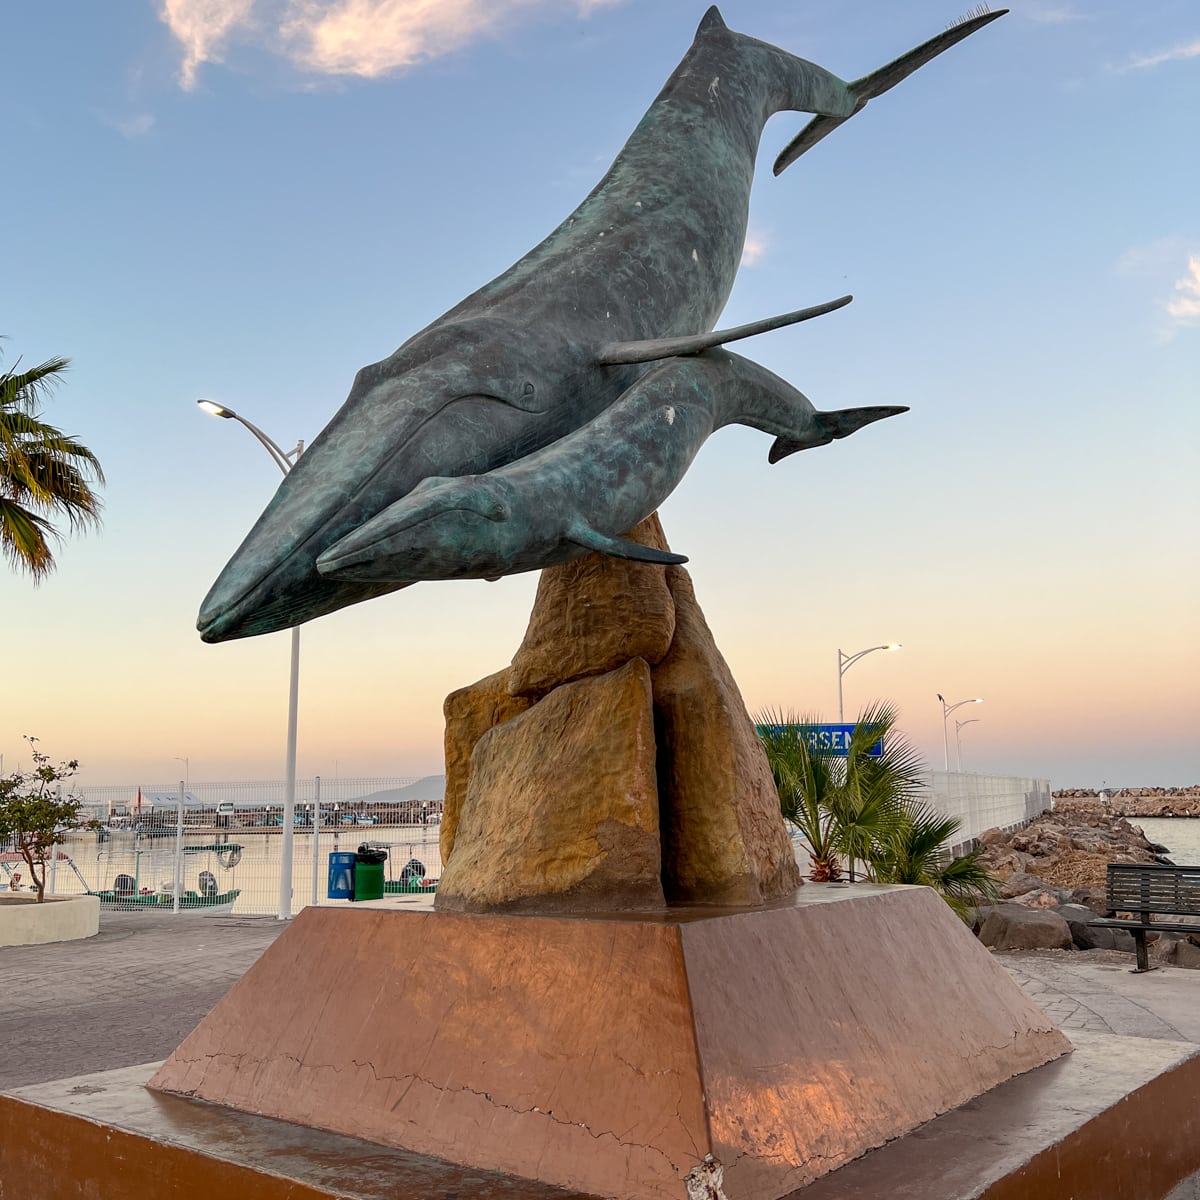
pixel 1155 258
pixel 1185 308
pixel 754 250
pixel 1059 14
pixel 1184 50
pixel 203 27
pixel 366 38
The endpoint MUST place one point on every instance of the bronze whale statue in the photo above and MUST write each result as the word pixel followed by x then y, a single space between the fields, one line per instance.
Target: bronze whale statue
pixel 638 273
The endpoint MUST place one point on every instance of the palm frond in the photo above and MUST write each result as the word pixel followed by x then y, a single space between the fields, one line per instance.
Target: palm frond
pixel 27 389
pixel 44 473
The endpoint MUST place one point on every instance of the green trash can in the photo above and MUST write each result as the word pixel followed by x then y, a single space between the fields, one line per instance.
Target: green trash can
pixel 368 873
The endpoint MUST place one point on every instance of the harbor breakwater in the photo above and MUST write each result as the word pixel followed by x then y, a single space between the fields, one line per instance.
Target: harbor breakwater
pixel 1052 876
pixel 1130 802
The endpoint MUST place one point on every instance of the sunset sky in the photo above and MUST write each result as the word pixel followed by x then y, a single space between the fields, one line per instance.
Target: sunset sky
pixel 249 200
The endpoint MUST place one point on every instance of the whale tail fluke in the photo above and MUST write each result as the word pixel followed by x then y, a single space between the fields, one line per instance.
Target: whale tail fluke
pixel 830 426
pixel 881 81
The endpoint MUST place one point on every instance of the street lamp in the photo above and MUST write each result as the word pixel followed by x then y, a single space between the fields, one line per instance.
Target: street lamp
pixel 958 728
pixel 285 460
pixel 846 661
pixel 947 709
pixel 187 768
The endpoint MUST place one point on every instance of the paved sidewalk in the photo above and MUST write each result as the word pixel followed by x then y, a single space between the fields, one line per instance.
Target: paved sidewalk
pixel 1096 990
pixel 128 995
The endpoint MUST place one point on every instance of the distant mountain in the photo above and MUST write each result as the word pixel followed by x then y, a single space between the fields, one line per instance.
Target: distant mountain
pixel 431 788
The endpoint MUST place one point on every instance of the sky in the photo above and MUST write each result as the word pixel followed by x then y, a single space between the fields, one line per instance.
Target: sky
pixel 249 200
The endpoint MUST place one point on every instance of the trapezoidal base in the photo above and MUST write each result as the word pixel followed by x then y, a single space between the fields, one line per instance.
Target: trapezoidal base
pixel 611 1054
pixel 1117 1120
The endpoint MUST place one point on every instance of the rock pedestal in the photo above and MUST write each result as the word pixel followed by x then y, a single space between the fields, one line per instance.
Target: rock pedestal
pixel 613 765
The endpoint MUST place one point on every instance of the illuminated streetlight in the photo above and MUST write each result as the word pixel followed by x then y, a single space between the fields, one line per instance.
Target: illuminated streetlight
pixel 947 709
pixel 846 661
pixel 284 460
pixel 958 726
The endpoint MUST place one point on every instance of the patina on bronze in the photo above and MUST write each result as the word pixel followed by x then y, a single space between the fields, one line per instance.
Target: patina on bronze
pixel 647 259
pixel 581 493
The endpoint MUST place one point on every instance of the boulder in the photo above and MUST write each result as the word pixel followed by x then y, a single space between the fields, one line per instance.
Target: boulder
pixel 1043 897
pixel 561 810
pixel 1175 950
pixel 470 713
pixel 992 837
pixel 594 614
pixel 724 840
pixel 1020 883
pixel 1011 926
pixel 1092 937
pixel 1092 898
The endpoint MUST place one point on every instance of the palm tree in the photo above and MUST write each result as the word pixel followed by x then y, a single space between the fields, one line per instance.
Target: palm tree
pixel 916 853
pixel 805 782
pixel 44 473
pixel 868 806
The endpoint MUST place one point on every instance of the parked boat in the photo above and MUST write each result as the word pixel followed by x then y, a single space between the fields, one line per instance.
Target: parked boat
pixel 207 898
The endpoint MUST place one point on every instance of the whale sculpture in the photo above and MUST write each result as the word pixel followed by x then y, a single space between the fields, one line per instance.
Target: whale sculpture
pixel 638 273
pixel 581 493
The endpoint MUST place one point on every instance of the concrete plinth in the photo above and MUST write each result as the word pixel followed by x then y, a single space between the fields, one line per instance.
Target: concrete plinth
pixel 1117 1120
pixel 25 922
pixel 610 1055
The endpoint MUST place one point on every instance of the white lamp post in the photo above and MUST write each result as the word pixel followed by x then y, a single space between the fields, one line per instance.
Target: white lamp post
pixel 947 709
pixel 284 460
pixel 187 768
pixel 846 661
pixel 958 727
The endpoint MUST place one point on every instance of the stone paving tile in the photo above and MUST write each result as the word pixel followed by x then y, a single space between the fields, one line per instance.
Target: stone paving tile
pixel 1078 991
pixel 128 995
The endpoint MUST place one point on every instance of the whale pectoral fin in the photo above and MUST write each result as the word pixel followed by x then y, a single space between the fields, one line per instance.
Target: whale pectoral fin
pixel 881 81
pixel 656 348
pixel 829 426
pixel 590 539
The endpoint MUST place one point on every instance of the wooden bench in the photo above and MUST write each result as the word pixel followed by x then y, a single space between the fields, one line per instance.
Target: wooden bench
pixel 1150 891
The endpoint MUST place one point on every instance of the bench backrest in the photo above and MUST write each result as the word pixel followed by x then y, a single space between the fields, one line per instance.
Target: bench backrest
pixel 1151 888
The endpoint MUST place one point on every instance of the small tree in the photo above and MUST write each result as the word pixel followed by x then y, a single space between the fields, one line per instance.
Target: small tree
pixel 34 816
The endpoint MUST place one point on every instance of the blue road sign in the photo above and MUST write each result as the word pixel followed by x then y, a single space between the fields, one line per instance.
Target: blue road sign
pixel 829 739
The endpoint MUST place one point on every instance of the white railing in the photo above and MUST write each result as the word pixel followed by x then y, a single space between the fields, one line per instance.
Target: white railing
pixel 984 802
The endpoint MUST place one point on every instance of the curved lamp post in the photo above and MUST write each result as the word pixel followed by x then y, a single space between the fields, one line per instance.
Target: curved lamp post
pixel 947 709
pixel 284 460
pixel 958 728
pixel 846 661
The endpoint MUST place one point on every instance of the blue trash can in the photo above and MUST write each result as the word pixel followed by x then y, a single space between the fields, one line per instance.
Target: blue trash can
pixel 341 876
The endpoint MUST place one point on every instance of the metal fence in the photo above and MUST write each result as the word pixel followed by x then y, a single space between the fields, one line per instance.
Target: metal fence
pixel 983 802
pixel 221 850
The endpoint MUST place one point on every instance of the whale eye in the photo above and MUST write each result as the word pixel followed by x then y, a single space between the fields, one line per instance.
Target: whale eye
pixel 529 389
pixel 499 510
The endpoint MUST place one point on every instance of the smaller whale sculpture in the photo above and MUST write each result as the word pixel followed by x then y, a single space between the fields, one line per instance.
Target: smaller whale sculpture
pixel 580 493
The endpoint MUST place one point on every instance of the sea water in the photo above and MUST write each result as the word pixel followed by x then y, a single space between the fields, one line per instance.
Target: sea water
pixel 1181 836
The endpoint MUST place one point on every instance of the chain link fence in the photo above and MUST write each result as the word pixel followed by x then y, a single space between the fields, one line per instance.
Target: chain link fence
pixel 217 848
